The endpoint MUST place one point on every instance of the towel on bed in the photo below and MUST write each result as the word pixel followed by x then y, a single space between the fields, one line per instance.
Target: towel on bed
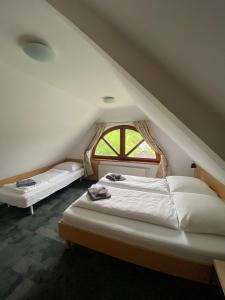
pixel 147 207
pixel 98 192
pixel 147 184
pixel 25 182
pixel 49 177
pixel 115 177
pixel 23 189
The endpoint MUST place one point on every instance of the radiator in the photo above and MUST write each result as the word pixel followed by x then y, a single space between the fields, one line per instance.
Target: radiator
pixel 126 170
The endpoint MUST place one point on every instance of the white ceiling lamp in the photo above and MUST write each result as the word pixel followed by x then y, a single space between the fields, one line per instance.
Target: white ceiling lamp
pixel 108 99
pixel 38 51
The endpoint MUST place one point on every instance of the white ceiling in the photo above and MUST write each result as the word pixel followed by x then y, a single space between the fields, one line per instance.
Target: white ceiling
pixel 187 37
pixel 77 69
pixel 83 73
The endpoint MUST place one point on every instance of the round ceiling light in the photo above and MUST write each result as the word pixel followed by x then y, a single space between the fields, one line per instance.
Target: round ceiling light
pixel 108 99
pixel 38 51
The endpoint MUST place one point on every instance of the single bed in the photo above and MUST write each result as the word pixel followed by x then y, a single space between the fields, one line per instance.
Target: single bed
pixel 47 183
pixel 176 252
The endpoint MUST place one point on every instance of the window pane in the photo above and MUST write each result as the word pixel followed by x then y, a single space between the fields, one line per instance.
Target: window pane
pixel 132 138
pixel 113 138
pixel 143 151
pixel 104 150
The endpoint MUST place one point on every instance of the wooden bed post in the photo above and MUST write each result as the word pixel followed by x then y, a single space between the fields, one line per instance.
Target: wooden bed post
pixel 68 244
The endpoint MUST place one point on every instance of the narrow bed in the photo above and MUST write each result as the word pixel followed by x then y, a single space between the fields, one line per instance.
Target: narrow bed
pixel 186 249
pixel 47 183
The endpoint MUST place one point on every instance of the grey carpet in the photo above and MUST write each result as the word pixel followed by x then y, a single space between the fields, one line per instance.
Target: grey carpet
pixel 35 265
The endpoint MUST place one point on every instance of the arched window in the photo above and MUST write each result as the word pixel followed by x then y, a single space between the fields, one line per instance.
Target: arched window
pixel 124 143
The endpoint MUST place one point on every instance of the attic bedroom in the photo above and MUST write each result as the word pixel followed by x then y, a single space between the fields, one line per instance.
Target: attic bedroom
pixel 112 165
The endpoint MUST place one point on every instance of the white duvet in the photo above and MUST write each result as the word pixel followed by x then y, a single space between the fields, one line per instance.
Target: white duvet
pixel 137 205
pixel 41 180
pixel 155 185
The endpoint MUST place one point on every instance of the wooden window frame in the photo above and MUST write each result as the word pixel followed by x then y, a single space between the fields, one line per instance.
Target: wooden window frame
pixel 122 156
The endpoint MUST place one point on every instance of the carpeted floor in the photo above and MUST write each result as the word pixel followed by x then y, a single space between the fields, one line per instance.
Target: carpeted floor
pixel 35 265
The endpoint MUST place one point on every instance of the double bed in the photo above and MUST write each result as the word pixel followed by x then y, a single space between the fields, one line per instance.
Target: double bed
pixel 167 247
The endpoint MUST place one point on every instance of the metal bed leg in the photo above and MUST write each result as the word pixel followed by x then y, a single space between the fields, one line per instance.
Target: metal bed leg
pixel 8 205
pixel 81 178
pixel 31 210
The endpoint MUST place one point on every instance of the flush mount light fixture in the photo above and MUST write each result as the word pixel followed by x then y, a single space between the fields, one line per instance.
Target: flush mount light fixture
pixel 38 51
pixel 108 99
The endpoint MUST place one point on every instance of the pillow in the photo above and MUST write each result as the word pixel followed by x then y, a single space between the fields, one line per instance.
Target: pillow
pixel 188 185
pixel 200 213
pixel 68 166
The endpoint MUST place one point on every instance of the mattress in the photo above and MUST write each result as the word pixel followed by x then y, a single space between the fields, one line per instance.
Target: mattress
pixel 42 179
pixel 29 198
pixel 148 207
pixel 195 247
pixel 145 184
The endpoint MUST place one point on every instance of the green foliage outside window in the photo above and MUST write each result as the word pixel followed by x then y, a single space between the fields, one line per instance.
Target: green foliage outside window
pixel 132 139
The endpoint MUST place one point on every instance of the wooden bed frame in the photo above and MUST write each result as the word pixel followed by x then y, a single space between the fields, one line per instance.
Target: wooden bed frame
pixel 144 257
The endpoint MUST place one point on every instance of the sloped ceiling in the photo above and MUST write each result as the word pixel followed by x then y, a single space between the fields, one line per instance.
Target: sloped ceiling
pixel 77 69
pixel 186 37
pixel 132 51
pixel 47 106
pixel 199 127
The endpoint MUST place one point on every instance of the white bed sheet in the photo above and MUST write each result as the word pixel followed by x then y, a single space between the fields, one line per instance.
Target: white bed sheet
pixel 145 184
pixel 40 179
pixel 147 207
pixel 30 198
pixel 195 247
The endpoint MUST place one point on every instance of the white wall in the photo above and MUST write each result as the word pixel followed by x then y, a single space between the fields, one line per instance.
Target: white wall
pixel 38 123
pixel 179 161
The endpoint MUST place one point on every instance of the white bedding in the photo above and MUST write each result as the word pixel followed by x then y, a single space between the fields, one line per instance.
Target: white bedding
pixel 23 189
pixel 107 219
pixel 146 184
pixel 51 175
pixel 195 247
pixel 27 199
pixel 41 180
pixel 143 206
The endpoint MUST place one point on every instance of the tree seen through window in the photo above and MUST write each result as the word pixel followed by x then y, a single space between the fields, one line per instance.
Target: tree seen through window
pixel 124 143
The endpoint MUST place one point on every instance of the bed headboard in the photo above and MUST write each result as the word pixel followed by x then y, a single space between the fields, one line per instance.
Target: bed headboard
pixel 216 185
